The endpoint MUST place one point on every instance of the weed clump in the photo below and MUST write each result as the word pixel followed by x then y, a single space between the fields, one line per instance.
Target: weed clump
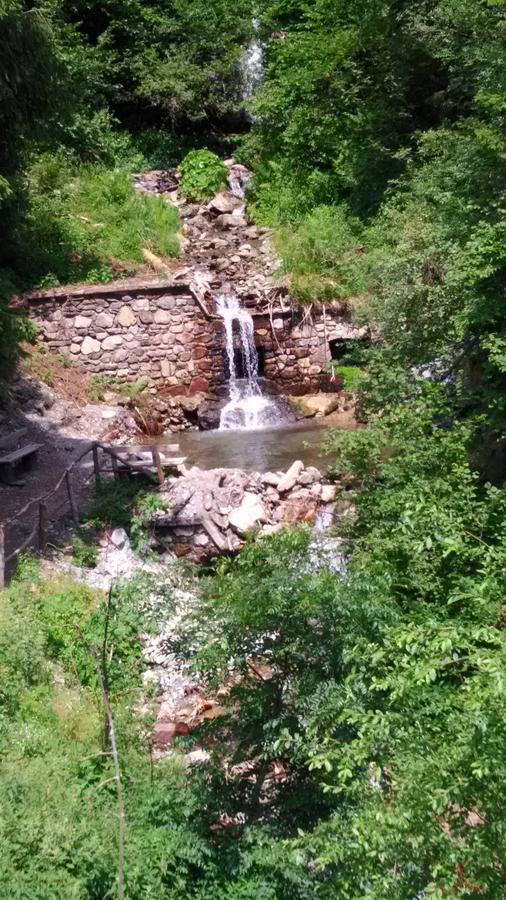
pixel 202 175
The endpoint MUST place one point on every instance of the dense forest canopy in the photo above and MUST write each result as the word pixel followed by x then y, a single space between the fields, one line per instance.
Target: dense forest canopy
pixel 378 158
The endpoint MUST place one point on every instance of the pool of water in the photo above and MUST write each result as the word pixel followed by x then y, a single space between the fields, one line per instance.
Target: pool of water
pixel 264 450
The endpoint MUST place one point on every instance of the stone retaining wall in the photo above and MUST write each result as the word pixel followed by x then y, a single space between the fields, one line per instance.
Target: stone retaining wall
pixel 161 331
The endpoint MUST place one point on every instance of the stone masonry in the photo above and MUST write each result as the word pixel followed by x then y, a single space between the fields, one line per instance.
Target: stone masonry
pixel 163 332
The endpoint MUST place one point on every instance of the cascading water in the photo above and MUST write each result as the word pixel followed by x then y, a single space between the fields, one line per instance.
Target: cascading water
pixel 247 407
pixel 252 66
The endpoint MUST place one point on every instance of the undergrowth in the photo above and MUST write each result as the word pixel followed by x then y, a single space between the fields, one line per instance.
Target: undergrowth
pixel 202 175
pixel 89 224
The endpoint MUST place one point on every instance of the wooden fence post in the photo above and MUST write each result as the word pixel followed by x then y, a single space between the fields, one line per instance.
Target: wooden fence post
pixel 157 464
pixel 42 527
pixel 2 556
pixel 96 464
pixel 72 500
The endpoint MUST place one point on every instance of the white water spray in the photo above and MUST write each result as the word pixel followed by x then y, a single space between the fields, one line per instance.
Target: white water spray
pixel 247 407
pixel 252 66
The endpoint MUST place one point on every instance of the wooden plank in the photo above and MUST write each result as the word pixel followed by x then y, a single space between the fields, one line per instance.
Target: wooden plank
pixel 157 464
pixel 142 451
pixel 73 505
pixel 215 535
pixel 18 455
pixel 96 463
pixel 42 527
pixel 148 466
pixel 13 438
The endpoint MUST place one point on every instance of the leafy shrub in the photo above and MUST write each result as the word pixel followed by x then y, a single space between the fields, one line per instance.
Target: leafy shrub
pixel 145 506
pixel 126 504
pixel 84 553
pixel 202 175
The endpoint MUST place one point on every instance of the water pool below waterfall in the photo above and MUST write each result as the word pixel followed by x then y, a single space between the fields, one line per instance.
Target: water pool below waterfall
pixel 262 450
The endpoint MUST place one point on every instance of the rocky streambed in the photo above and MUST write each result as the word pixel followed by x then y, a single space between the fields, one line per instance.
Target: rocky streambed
pixel 212 512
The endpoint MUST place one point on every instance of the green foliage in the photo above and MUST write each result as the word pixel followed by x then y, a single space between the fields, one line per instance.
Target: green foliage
pixel 202 175
pixel 125 503
pixel 146 505
pixel 84 552
pixel 14 326
pixel 133 391
pixel 174 64
pixel 79 226
pixel 59 819
pixel 352 376
pixel 112 503
pixel 320 254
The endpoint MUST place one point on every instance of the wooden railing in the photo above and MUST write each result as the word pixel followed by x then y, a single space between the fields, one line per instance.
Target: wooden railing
pixel 37 539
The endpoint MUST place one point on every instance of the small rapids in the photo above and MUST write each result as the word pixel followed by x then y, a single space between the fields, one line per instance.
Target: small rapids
pixel 247 408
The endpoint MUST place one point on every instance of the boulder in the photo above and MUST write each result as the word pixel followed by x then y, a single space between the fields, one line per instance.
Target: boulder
pixel 82 322
pixel 289 479
pixel 297 509
pixel 328 493
pixel 165 732
pixel 248 514
pixel 112 342
pixel 224 203
pixel 309 476
pixel 209 414
pixel 228 220
pixel 319 405
pixel 119 538
pixel 271 478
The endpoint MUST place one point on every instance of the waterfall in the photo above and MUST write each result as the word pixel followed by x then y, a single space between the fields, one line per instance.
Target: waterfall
pixel 247 407
pixel 252 66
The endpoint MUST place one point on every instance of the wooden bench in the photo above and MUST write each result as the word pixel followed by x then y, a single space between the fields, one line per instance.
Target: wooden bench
pixel 22 456
pixel 12 440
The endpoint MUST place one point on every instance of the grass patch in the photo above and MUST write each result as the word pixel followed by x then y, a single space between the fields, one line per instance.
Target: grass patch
pixel 320 255
pixel 89 224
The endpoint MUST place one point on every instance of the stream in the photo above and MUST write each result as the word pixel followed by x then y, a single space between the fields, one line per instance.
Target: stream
pixel 261 450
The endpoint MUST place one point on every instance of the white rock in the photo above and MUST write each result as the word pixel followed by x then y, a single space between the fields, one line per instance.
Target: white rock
pixel 119 538
pixel 82 322
pixel 162 317
pixel 104 320
pixel 229 220
pixel 168 368
pixel 271 478
pixel 89 345
pixel 224 203
pixel 248 514
pixel 126 316
pixel 273 529
pixel 309 476
pixel 289 479
pixel 328 493
pixel 111 342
